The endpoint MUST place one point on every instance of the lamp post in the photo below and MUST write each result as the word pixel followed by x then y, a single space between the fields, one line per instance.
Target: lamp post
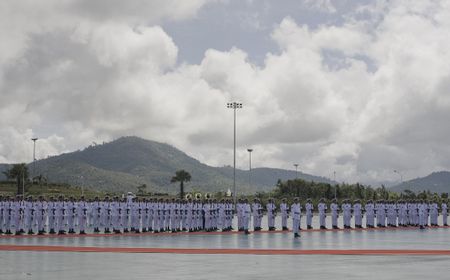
pixel 249 167
pixel 335 186
pixel 234 106
pixel 296 170
pixel 34 158
pixel 401 176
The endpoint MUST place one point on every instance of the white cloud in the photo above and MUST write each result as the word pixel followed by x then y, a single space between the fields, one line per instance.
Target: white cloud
pixel 363 98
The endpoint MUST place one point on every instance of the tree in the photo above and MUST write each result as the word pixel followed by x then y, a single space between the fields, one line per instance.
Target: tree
pixel 141 189
pixel 18 172
pixel 181 176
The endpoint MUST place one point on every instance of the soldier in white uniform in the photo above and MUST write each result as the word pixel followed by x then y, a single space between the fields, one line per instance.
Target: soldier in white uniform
pixel 284 209
pixel 444 211
pixel 434 213
pixel 322 207
pixel 41 214
pixel 135 215
pixel 246 214
pixel 51 210
pixel 370 214
pixel 255 213
pixel 123 207
pixel 82 214
pixel 334 213
pixel 2 215
pixel 115 215
pixel 96 209
pixel 357 213
pixel 309 208
pixel 422 214
pixel 347 213
pixel 271 214
pixel 296 213
pixel 9 214
pixel 61 212
pixel 29 215
pixel 72 211
pixel 18 215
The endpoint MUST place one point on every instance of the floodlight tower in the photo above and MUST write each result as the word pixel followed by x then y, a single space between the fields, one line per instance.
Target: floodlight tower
pixel 250 167
pixel 296 170
pixel 401 176
pixel 34 157
pixel 234 106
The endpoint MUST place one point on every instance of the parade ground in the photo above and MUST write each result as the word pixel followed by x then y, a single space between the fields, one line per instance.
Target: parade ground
pixel 390 253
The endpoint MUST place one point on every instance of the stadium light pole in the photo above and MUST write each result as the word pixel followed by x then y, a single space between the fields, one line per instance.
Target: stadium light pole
pixel 249 167
pixel 234 106
pixel 401 176
pixel 335 186
pixel 34 158
pixel 296 170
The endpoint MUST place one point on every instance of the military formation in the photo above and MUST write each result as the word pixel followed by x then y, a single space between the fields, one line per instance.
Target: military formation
pixel 113 215
pixel 130 214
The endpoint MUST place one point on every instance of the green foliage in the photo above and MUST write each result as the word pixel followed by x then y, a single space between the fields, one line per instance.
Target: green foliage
pixel 304 190
pixel 181 176
pixel 9 189
pixel 19 173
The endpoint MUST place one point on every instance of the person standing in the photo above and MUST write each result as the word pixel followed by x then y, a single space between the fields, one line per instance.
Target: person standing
pixel 322 207
pixel 82 214
pixel 309 208
pixel 246 214
pixel 434 213
pixel 41 214
pixel 334 213
pixel 370 214
pixel 29 215
pixel 444 211
pixel 296 214
pixel 347 213
pixel 271 213
pixel 357 212
pixel 284 208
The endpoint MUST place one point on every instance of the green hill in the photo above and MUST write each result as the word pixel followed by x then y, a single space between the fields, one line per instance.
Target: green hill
pixel 128 162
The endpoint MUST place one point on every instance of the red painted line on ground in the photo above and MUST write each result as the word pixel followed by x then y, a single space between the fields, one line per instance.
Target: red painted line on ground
pixel 204 251
pixel 210 233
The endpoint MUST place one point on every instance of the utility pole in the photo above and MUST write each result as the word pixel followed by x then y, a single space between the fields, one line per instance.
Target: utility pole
pixel 234 106
pixel 335 186
pixel 249 167
pixel 34 158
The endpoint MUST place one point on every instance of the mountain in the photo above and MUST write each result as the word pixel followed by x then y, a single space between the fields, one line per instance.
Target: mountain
pixel 128 162
pixel 438 182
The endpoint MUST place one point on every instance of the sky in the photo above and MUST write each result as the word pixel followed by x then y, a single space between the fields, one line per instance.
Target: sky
pixel 361 88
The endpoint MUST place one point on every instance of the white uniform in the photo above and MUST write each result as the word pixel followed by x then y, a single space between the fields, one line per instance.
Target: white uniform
pixel 370 215
pixel 334 214
pixel 284 209
pixel 296 214
pixel 357 212
pixel 82 214
pixel 271 208
pixel 309 207
pixel 322 207
pixel 246 212
pixel 444 212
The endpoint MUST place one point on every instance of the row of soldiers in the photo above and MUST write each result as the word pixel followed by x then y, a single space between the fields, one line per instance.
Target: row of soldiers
pixel 113 215
pixel 418 213
pixel 159 215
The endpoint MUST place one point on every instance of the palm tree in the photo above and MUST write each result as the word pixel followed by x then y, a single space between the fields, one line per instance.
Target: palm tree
pixel 18 172
pixel 181 176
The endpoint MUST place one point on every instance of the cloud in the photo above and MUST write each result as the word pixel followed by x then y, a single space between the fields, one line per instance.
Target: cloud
pixel 361 98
